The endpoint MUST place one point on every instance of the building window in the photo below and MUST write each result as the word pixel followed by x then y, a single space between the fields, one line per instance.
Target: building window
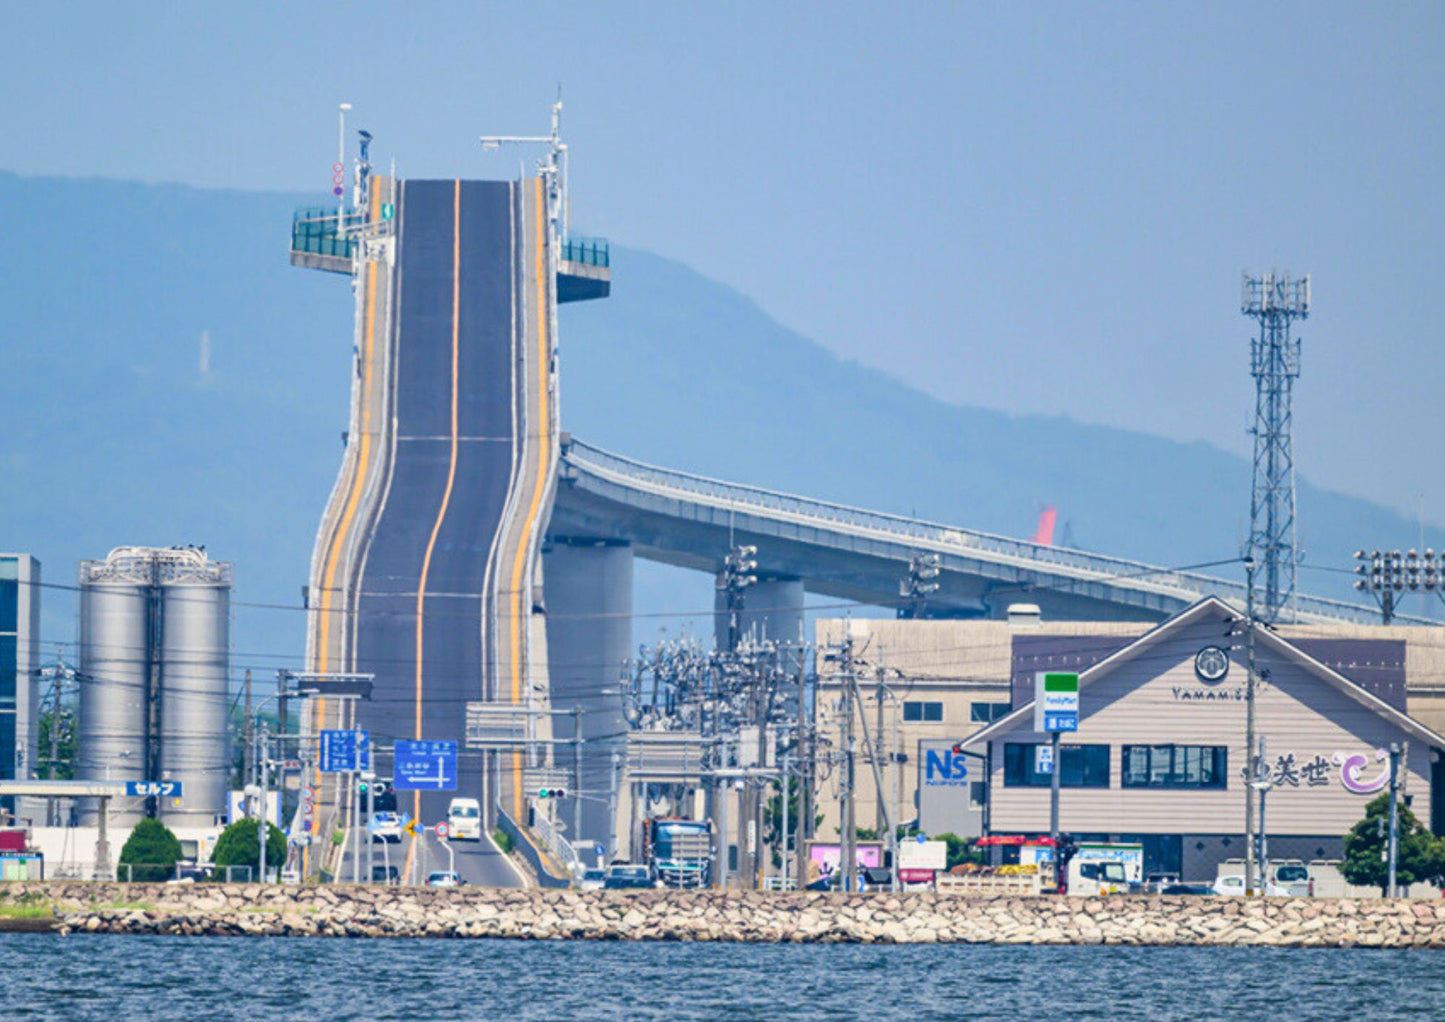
pixel 1081 766
pixel 930 712
pixel 982 713
pixel 1175 766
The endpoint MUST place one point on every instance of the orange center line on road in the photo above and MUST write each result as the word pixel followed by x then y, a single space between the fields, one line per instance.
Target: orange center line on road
pixel 451 481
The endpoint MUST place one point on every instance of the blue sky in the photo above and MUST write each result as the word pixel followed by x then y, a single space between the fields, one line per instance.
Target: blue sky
pixel 1040 207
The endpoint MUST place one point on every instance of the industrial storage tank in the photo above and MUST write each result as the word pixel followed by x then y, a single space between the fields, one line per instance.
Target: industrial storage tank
pixel 155 659
pixel 195 619
pixel 115 672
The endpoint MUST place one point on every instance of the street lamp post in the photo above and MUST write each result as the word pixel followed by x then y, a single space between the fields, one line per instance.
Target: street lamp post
pixel 340 188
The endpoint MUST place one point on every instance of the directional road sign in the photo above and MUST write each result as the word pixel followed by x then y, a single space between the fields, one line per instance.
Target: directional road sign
pixel 410 826
pixel 159 789
pixel 425 765
pixel 345 751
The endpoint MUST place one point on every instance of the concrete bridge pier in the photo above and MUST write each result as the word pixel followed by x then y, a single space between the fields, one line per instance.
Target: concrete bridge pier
pixel 589 635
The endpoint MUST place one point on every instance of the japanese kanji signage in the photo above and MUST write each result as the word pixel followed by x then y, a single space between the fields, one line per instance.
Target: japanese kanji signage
pixel 1313 770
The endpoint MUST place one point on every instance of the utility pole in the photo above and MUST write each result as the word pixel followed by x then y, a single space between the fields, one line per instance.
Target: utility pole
pixel 783 841
pixel 807 744
pixel 577 773
pixel 848 859
pixel 246 742
pixel 1250 764
pixel 1394 851
pixel 880 817
pixel 261 829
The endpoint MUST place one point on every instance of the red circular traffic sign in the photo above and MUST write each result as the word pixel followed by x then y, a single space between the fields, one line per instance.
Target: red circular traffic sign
pixel 442 830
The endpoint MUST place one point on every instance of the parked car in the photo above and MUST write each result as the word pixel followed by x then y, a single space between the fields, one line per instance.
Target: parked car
pixel 386 827
pixel 385 875
pixel 444 878
pixel 619 878
pixel 1293 877
pixel 1186 889
pixel 592 880
pixel 1233 884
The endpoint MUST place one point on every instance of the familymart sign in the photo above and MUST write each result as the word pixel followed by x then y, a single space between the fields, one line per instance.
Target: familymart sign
pixel 1056 701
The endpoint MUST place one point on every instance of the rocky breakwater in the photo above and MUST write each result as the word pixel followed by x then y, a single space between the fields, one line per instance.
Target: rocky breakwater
pixel 804 917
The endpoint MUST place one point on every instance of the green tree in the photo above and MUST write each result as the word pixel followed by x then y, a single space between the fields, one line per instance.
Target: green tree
pixel 237 847
pixel 151 851
pixel 64 745
pixel 959 850
pixel 773 819
pixel 1421 856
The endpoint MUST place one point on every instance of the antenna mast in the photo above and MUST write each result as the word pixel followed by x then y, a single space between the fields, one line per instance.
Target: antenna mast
pixel 1275 301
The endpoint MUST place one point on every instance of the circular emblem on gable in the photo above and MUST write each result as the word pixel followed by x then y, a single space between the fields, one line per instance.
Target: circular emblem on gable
pixel 1211 664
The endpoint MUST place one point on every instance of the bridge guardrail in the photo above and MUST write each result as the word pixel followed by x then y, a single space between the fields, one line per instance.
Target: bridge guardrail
pixel 524 844
pixel 1088 567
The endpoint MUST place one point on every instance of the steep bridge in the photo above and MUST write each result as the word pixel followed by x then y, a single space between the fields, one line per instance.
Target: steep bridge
pixel 470 551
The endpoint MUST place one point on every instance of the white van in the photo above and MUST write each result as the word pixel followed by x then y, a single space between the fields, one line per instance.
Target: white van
pixel 464 819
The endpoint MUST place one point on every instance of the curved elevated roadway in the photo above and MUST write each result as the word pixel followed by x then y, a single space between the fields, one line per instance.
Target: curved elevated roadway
pixel 851 553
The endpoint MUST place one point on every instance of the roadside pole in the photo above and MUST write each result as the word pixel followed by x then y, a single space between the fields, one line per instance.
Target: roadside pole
pixel 1394 853
pixel 577 774
pixel 783 852
pixel 1054 803
pixel 366 832
pixel 1250 875
pixel 261 833
pixel 1056 709
pixel 807 771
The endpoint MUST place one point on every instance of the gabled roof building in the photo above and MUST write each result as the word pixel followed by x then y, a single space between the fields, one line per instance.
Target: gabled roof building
pixel 1160 758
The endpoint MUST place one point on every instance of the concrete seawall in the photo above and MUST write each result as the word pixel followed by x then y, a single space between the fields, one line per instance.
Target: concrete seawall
pixel 805 917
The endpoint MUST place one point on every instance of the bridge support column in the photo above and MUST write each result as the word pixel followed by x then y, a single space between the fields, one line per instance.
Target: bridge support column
pixel 773 609
pixel 589 635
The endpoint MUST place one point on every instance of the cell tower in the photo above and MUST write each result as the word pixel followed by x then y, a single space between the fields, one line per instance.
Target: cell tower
pixel 1276 301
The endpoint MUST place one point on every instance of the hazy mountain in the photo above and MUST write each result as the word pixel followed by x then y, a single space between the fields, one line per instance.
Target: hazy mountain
pixel 166 377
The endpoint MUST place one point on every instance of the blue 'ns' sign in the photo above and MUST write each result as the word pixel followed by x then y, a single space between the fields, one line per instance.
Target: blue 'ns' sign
pixel 944 767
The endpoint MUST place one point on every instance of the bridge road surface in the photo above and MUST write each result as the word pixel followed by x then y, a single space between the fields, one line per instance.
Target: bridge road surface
pixel 452 461
pixel 479 863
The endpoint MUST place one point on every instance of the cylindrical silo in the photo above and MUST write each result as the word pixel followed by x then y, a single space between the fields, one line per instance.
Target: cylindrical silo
pixel 194 655
pixel 155 655
pixel 115 666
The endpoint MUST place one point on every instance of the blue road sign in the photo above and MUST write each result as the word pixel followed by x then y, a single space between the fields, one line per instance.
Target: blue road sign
pixel 598 850
pixel 424 765
pixel 345 751
pixel 160 789
pixel 1060 721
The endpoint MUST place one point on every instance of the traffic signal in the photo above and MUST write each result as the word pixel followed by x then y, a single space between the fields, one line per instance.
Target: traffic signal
pixel 383 796
pixel 551 792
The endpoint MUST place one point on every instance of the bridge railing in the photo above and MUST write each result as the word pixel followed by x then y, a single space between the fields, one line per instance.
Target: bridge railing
pixel 314 230
pixel 1086 567
pixel 588 251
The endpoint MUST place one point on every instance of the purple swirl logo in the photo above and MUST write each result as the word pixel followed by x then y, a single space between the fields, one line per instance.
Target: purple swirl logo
pixel 1350 767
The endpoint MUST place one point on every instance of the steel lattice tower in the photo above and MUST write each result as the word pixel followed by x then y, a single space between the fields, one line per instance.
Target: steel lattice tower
pixel 1275 301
